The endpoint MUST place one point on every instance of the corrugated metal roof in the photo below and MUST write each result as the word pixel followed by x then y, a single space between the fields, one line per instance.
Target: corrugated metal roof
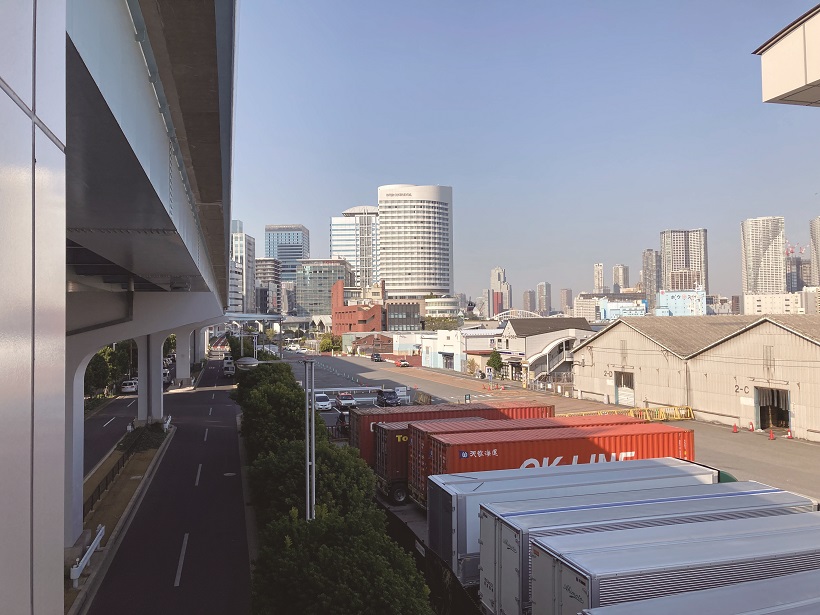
pixel 687 336
pixel 524 327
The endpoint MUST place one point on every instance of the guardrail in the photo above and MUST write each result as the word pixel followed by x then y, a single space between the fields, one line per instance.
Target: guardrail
pixel 80 564
pixel 106 481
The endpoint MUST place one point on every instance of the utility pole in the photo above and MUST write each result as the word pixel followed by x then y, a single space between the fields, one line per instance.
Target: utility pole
pixel 310 441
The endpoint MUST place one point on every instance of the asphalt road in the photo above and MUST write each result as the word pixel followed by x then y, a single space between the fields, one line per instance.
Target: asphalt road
pixel 186 548
pixel 105 428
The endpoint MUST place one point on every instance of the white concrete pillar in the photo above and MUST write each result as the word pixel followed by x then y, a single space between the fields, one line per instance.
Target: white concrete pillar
pixel 183 364
pixel 155 384
pixel 143 403
pixel 77 359
pixel 201 345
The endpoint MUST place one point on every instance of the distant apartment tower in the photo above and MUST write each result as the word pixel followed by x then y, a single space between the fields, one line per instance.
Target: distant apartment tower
pixel 528 301
pixel 289 243
pixel 651 275
pixel 416 240
pixel 620 278
pixel 243 253
pixel 269 276
pixel 598 272
pixel 814 230
pixel 235 299
pixel 543 298
pixel 794 273
pixel 684 260
pixel 566 301
pixel 355 237
pixel 763 255
pixel 315 278
pixel 499 284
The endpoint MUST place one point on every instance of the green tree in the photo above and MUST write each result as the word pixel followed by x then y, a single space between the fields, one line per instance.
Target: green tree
pixel 97 374
pixel 472 365
pixel 344 483
pixel 169 345
pixel 441 323
pixel 345 565
pixel 495 361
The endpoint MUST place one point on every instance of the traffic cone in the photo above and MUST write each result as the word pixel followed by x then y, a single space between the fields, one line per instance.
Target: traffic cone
pixel 751 426
pixel 734 428
pixel 789 435
pixel 771 434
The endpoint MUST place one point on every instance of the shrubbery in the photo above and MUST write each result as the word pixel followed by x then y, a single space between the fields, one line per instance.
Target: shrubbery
pixel 342 562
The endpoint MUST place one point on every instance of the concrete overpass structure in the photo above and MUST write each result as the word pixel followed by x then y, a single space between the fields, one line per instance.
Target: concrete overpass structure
pixel 115 188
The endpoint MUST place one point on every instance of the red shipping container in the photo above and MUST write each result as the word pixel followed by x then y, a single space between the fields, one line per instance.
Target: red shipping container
pixel 420 457
pixel 391 454
pixel 473 452
pixel 363 419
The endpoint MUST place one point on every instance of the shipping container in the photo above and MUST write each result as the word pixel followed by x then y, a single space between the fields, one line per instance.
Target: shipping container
pixel 420 460
pixel 472 452
pixel 363 419
pixel 453 501
pixel 507 528
pixel 392 441
pixel 791 594
pixel 639 564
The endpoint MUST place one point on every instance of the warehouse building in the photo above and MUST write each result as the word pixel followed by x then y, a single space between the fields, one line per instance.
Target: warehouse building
pixel 763 370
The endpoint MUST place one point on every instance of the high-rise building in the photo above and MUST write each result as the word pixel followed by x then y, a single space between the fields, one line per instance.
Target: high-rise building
pixel 814 230
pixel 416 240
pixel 354 236
pixel 235 298
pixel 269 276
pixel 598 286
pixel 289 243
pixel 543 298
pixel 499 284
pixel 566 301
pixel 684 252
pixel 763 255
pixel 651 275
pixel 794 273
pixel 243 253
pixel 620 278
pixel 314 284
pixel 528 301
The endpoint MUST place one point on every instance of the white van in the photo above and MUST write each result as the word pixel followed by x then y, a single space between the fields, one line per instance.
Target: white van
pixel 229 370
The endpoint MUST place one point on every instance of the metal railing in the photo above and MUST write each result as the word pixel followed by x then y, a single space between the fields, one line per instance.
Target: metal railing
pixel 80 564
pixel 105 481
pixel 558 359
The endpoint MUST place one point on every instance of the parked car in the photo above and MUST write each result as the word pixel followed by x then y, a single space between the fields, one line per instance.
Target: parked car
pixel 322 402
pixel 292 348
pixel 402 363
pixel 387 397
pixel 166 376
pixel 376 357
pixel 345 401
pixel 128 386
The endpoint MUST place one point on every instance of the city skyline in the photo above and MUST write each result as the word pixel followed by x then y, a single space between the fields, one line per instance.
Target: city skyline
pixel 517 148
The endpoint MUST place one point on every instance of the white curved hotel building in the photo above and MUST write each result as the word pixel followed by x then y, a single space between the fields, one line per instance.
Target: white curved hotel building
pixel 416 240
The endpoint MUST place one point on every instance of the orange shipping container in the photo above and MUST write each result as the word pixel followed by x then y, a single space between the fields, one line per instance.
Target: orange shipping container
pixel 420 458
pixel 363 419
pixel 472 452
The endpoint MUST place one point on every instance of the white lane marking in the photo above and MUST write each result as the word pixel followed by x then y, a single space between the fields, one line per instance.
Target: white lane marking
pixel 213 395
pixel 181 560
pixel 131 404
pixel 209 411
pixel 199 469
pixel 206 436
pixel 106 425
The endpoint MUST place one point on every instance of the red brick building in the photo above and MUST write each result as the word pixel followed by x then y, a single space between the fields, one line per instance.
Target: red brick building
pixel 354 318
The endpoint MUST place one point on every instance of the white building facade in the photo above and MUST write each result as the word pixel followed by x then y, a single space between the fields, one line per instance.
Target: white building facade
pixel 763 255
pixel 416 240
pixel 354 236
pixel 288 243
pixel 803 302
pixel 243 254
pixel 684 260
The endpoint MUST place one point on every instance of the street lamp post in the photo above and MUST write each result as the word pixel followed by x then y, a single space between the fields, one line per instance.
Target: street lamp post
pixel 310 442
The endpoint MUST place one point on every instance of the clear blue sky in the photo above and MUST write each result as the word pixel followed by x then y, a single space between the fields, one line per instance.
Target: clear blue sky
pixel 572 133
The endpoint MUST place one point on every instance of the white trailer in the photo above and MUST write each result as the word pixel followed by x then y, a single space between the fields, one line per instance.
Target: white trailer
pixel 793 594
pixel 453 500
pixel 505 561
pixel 639 564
